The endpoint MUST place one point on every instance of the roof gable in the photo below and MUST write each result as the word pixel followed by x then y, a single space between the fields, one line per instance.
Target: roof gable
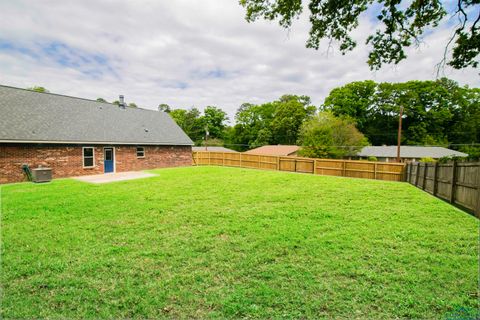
pixel 29 116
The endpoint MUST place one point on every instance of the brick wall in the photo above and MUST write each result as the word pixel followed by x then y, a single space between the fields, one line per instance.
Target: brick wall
pixel 67 161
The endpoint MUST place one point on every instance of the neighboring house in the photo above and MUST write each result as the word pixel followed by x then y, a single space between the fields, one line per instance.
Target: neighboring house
pixel 407 153
pixel 275 150
pixel 213 149
pixel 75 136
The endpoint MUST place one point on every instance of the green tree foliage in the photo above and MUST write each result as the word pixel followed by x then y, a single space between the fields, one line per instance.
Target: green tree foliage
pixel 327 136
pixel 102 100
pixel 132 105
pixel 191 121
pixel 401 25
pixel 215 119
pixel 435 112
pixel 164 108
pixel 276 122
pixel 38 89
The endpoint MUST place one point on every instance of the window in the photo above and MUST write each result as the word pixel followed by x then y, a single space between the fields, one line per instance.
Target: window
pixel 88 157
pixel 140 152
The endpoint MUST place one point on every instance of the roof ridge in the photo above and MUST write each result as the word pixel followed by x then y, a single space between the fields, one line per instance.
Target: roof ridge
pixel 73 97
pixel 53 94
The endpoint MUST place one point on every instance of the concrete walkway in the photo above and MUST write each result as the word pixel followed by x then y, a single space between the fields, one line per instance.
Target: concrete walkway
pixel 113 177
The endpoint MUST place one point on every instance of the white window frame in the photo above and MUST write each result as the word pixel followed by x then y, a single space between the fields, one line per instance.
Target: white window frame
pixel 83 157
pixel 136 152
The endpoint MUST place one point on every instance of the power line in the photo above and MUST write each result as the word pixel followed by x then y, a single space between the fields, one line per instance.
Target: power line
pixel 348 146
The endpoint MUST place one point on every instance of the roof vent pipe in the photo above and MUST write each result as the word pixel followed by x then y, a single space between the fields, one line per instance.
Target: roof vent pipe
pixel 122 101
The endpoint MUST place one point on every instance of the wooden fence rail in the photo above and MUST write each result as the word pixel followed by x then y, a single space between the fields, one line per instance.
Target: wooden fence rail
pixel 455 182
pixel 345 168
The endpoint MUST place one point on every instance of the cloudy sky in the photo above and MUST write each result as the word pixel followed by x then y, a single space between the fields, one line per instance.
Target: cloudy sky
pixel 185 53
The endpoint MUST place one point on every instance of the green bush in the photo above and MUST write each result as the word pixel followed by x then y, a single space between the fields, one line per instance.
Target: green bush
pixel 427 159
pixel 472 151
pixel 372 158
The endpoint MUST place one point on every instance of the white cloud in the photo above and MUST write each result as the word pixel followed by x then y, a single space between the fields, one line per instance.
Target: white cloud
pixel 184 53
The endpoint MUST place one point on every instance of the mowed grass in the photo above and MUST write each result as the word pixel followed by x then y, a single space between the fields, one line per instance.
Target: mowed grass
pixel 213 242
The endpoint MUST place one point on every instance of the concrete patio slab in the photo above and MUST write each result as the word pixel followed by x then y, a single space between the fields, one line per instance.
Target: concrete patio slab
pixel 114 177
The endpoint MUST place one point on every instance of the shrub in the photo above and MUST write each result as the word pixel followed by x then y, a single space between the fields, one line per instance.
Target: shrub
pixel 427 159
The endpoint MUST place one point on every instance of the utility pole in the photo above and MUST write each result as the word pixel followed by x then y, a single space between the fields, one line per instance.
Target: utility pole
pixel 206 138
pixel 399 135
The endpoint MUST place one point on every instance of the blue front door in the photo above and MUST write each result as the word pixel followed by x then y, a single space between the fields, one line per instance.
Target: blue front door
pixel 108 160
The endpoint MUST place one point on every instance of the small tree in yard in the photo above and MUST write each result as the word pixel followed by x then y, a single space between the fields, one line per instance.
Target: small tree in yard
pixel 327 136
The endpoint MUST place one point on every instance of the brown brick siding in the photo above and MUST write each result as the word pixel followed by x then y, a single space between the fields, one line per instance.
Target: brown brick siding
pixel 67 161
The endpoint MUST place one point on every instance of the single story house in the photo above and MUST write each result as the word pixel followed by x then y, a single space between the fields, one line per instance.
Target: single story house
pixel 213 149
pixel 75 136
pixel 407 153
pixel 275 150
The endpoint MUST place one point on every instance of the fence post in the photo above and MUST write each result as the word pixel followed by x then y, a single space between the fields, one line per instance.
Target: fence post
pixel 454 177
pixel 424 175
pixel 223 159
pixel 476 211
pixel 435 179
pixel 408 172
pixel 240 160
pixel 259 162
pixel 375 171
pixel 278 163
pixel 417 174
pixel 344 169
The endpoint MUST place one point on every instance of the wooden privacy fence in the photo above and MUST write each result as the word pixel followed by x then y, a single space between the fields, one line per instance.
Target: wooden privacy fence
pixel 455 182
pixel 345 168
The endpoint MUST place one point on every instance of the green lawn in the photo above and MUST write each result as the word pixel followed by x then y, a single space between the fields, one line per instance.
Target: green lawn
pixel 213 242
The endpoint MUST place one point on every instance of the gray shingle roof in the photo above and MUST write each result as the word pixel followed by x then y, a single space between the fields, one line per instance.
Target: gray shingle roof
pixel 409 152
pixel 27 116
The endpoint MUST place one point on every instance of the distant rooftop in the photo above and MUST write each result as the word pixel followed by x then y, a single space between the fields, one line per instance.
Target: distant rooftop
pixel 409 152
pixel 274 150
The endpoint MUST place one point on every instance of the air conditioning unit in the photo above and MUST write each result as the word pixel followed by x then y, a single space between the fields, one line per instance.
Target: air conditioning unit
pixel 42 174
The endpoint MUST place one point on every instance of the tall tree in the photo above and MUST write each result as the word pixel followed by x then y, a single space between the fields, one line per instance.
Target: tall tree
pixel 276 122
pixel 434 111
pixel 327 136
pixel 191 122
pixel 215 119
pixel 290 112
pixel 401 25
pixel 164 107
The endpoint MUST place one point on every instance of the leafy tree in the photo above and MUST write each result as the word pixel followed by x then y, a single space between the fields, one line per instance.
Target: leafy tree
pixel 38 89
pixel 215 119
pixel 164 108
pixel 290 112
pixel 354 100
pixel 435 112
pixel 327 136
pixel 250 121
pixel 402 25
pixel 276 122
pixel 116 102
pixel 132 105
pixel 191 122
pixel 102 100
